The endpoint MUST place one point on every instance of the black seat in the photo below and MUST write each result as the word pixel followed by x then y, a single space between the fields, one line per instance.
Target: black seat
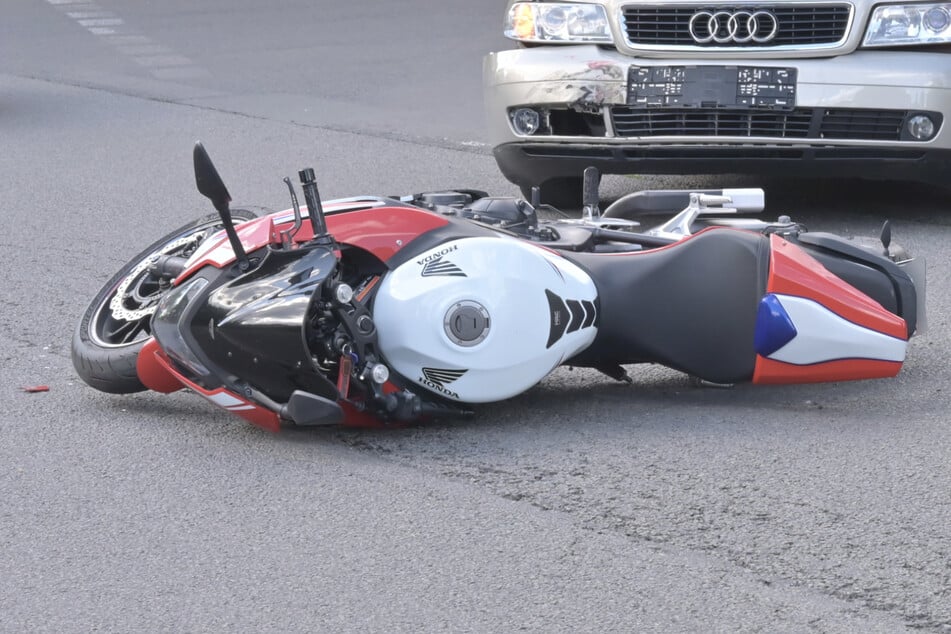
pixel 691 306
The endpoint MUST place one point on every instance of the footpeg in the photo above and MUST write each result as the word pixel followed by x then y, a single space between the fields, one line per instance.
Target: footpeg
pixel 615 371
pixel 309 410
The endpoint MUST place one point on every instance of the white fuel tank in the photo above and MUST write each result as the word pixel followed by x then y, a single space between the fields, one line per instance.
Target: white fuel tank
pixel 482 319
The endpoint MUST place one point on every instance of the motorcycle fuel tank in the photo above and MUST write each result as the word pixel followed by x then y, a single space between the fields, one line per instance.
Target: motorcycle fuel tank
pixel 482 319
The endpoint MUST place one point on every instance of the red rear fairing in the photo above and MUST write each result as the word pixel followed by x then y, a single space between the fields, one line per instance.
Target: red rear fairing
pixel 795 273
pixel 769 371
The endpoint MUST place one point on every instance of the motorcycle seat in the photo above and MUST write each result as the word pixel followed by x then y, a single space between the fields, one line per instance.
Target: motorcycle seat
pixel 691 306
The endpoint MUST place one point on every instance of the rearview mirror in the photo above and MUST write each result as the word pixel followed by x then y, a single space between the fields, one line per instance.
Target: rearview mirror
pixel 208 181
pixel 211 186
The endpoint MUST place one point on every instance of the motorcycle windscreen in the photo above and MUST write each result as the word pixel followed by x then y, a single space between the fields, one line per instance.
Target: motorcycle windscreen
pixel 814 327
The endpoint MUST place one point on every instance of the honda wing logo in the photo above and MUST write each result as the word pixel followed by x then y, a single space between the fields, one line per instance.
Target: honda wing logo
pixel 434 264
pixel 440 266
pixel 733 27
pixel 437 378
pixel 441 377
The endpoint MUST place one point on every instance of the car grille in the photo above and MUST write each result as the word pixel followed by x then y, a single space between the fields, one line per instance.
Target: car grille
pixel 799 26
pixel 800 123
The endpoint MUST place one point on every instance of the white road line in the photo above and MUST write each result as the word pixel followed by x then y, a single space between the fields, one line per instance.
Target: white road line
pixel 160 61
pixel 85 15
pixel 101 22
pixel 118 40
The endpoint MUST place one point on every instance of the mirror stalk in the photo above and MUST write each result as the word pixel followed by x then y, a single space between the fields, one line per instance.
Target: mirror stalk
pixel 211 186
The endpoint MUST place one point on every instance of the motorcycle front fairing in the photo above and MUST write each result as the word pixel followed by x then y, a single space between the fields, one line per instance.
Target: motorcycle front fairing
pixel 248 333
pixel 240 340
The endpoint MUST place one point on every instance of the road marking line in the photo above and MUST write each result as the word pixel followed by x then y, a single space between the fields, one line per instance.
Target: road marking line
pixel 117 40
pixel 101 22
pixel 85 15
pixel 161 61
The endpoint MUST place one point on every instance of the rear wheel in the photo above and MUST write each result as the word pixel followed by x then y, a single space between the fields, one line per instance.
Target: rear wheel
pixel 118 321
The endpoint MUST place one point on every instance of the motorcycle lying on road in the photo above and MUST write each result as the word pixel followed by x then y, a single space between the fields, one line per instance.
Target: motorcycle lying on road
pixel 393 309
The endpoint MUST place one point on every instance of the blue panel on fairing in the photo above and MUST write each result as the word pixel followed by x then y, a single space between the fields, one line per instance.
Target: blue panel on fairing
pixel 774 328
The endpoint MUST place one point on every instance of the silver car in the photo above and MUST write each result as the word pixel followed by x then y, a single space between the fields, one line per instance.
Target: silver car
pixel 856 88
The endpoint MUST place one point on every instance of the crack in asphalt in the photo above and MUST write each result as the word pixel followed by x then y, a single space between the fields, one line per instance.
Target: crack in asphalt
pixel 598 515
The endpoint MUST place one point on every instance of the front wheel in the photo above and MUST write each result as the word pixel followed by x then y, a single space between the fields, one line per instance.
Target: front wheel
pixel 118 321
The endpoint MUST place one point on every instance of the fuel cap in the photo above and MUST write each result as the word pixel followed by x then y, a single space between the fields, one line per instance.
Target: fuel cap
pixel 467 323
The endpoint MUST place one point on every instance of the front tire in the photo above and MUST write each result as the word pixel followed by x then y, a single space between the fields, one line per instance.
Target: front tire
pixel 118 321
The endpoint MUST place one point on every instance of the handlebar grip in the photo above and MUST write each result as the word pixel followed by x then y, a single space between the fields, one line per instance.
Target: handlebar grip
pixel 746 199
pixel 308 181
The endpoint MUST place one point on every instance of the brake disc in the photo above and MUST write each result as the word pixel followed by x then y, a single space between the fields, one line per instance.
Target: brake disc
pixel 123 296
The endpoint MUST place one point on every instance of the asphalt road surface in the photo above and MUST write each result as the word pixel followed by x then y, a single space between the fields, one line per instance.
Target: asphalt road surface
pixel 582 505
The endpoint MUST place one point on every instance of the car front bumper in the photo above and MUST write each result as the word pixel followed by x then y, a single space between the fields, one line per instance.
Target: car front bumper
pixel 843 124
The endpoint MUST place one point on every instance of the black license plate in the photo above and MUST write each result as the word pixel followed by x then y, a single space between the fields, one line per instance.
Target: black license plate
pixel 711 87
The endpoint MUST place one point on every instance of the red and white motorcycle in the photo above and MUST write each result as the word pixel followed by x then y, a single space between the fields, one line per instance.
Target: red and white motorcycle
pixel 379 309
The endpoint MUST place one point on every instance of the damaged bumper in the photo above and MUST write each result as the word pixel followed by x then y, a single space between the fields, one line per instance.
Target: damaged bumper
pixel 850 116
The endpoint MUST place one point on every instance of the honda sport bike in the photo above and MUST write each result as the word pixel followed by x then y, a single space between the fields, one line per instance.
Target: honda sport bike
pixel 379 310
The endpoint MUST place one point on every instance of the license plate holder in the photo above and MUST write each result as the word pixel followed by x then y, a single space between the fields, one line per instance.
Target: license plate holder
pixel 739 87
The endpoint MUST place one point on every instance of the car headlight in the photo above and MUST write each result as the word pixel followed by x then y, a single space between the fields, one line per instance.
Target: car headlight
pixel 908 24
pixel 557 22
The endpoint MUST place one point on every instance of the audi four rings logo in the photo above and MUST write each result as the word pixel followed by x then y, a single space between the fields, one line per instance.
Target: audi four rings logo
pixel 737 27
